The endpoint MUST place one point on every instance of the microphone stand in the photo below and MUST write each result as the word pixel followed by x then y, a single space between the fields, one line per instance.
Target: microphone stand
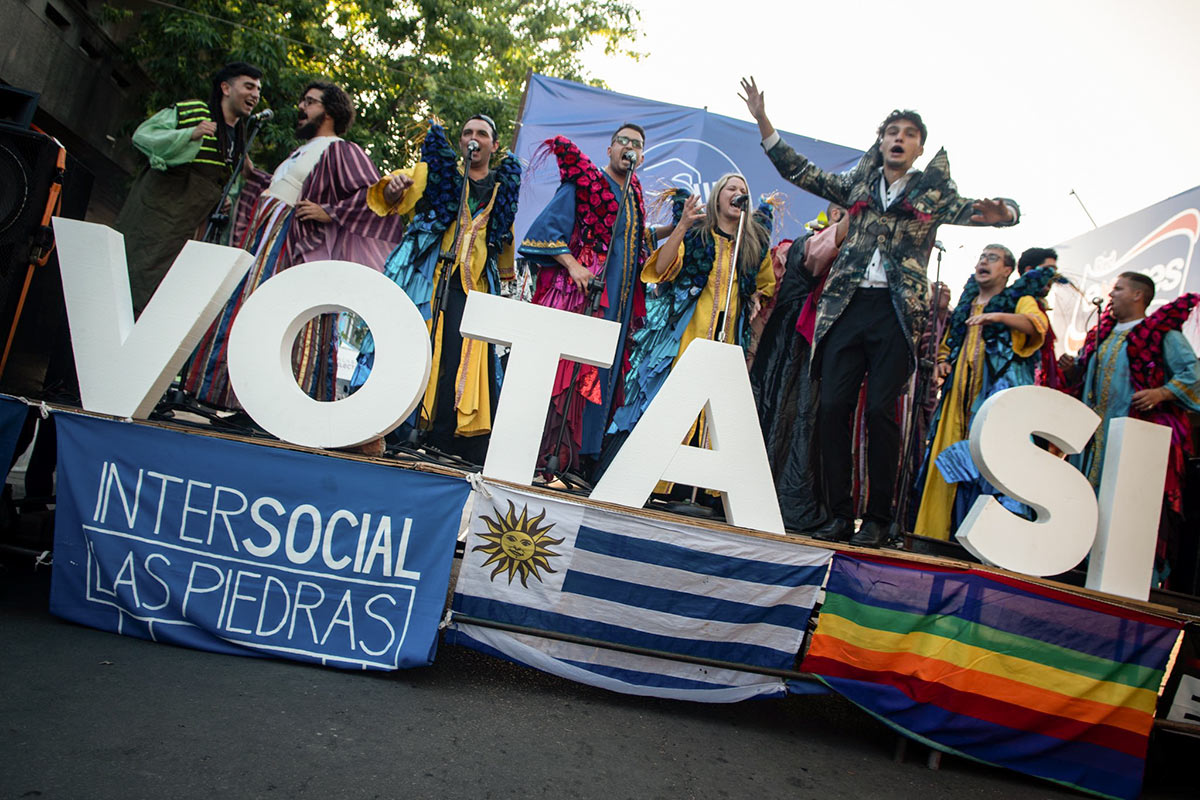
pixel 926 362
pixel 723 319
pixel 595 291
pixel 1095 348
pixel 217 220
pixel 1097 309
pixel 445 260
pixel 722 323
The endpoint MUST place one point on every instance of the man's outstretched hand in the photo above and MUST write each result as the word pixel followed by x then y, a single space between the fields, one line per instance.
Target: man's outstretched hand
pixel 755 100
pixel 398 183
pixel 756 103
pixel 991 212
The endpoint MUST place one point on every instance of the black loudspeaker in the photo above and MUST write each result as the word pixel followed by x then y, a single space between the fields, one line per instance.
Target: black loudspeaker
pixel 28 170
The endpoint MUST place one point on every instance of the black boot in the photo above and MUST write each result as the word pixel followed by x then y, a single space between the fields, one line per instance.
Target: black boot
pixel 836 530
pixel 871 534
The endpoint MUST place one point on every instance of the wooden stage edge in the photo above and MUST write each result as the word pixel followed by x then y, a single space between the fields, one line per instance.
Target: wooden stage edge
pixel 1170 605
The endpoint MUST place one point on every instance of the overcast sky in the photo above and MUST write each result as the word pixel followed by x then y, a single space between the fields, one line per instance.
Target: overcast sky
pixel 1030 99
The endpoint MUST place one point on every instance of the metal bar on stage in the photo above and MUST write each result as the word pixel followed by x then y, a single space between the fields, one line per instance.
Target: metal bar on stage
pixel 637 651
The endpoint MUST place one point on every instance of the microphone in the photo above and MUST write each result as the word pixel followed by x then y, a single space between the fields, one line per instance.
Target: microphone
pixel 938 244
pixel 630 157
pixel 472 147
pixel 740 201
pixel 262 116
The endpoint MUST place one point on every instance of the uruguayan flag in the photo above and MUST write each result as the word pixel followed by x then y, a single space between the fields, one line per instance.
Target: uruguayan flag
pixel 623 577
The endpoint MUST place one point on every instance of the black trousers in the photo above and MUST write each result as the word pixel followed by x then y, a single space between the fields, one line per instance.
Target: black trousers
pixel 866 341
pixel 445 419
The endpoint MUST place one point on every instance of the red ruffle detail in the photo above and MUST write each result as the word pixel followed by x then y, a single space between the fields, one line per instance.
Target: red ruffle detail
pixel 595 203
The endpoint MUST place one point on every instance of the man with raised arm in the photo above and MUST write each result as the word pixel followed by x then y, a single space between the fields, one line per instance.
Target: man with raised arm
pixel 448 251
pixel 875 301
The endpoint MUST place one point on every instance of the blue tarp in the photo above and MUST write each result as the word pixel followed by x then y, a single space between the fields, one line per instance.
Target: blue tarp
pixel 684 147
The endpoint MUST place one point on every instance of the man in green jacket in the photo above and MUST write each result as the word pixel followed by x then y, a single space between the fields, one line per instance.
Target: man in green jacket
pixel 193 147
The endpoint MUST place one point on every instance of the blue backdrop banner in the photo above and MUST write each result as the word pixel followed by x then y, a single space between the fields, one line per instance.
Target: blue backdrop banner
pixel 248 549
pixel 684 147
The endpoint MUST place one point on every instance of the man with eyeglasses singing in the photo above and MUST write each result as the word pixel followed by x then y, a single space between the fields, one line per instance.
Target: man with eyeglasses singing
pixel 992 342
pixel 589 242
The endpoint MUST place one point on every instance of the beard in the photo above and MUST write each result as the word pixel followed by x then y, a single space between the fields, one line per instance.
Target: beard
pixel 308 128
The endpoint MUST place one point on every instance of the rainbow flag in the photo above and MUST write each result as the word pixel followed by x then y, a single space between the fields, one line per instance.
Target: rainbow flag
pixel 995 669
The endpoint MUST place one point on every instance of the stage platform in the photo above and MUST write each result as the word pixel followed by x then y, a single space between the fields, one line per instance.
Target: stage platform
pixel 178 531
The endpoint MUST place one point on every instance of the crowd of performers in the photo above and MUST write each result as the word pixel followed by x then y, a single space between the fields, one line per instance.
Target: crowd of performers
pixel 835 323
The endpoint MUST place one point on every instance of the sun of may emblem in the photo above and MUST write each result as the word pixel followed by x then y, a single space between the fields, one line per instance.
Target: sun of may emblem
pixel 518 545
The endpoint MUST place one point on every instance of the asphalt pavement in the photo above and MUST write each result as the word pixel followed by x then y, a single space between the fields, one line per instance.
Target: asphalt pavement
pixel 88 714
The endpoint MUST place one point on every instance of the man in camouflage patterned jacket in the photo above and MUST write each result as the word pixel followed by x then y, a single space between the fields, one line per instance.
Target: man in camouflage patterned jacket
pixel 876 298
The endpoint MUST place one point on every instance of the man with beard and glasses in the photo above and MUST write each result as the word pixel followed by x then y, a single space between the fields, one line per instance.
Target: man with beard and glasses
pixel 192 149
pixel 313 208
pixel 875 301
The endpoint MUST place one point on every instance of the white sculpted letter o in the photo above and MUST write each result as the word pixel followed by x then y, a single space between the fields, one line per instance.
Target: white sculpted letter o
pixel 260 354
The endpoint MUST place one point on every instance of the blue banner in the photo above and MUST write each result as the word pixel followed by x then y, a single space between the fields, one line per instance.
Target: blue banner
pixel 685 146
pixel 250 549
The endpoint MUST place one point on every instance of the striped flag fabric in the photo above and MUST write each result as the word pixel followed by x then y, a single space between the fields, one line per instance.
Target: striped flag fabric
pixel 996 669
pixel 626 579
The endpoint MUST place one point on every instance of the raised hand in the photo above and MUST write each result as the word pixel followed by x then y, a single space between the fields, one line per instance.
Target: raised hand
pixel 991 212
pixel 755 100
pixel 693 212
pixel 395 188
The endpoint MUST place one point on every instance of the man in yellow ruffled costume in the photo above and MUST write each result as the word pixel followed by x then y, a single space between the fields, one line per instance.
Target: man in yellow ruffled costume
pixel 474 243
pixel 991 343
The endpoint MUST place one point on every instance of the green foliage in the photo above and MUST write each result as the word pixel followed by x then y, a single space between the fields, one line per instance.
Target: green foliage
pixel 401 60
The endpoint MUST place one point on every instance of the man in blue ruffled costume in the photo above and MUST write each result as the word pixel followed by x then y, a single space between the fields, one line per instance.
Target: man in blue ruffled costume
pixel 591 232
pixel 476 245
